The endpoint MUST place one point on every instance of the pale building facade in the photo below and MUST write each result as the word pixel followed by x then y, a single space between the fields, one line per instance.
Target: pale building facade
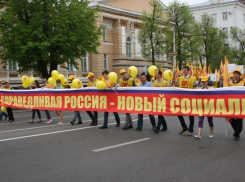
pixel 227 14
pixel 119 49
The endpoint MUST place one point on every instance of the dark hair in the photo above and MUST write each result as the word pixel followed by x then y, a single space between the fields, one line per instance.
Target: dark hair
pixel 58 80
pixel 37 84
pixel 237 72
pixel 186 67
pixel 105 72
pixel 142 74
pixel 160 72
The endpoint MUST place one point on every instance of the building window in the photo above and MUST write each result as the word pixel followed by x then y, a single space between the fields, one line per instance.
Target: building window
pixel 214 17
pixel 12 65
pixel 84 62
pixel 226 31
pixel 129 47
pixel 132 25
pixel 69 66
pixel 105 62
pixel 225 16
pixel 105 33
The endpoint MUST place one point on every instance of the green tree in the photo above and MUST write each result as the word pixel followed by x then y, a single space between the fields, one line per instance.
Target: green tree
pixel 41 34
pixel 212 41
pixel 181 16
pixel 151 35
pixel 238 35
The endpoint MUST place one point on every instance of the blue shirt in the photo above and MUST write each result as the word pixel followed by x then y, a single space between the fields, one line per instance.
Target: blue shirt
pixel 147 84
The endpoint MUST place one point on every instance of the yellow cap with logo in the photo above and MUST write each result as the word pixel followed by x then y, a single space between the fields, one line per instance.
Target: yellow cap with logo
pixel 90 74
pixel 122 71
pixel 71 77
pixel 204 79
pixel 237 70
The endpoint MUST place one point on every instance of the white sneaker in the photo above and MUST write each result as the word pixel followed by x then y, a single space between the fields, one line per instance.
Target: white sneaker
pixel 197 137
pixel 211 136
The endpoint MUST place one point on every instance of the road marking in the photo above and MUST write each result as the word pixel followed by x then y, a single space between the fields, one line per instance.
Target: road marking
pixel 120 145
pixel 55 132
pixel 50 125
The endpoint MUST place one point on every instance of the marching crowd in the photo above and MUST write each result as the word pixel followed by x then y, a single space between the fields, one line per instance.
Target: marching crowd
pixel 185 81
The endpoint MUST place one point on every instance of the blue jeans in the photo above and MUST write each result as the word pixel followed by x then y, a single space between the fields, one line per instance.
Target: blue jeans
pixel 47 114
pixel 77 115
pixel 140 121
pixel 38 113
pixel 2 114
pixel 106 114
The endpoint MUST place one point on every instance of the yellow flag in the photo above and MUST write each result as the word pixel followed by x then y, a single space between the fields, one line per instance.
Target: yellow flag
pixel 236 64
pixel 226 78
pixel 205 70
pixel 209 70
pixel 188 64
pixel 200 66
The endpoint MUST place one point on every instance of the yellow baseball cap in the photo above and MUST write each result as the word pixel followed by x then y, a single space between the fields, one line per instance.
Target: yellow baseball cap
pixel 90 74
pixel 237 70
pixel 231 75
pixel 122 71
pixel 71 77
pixel 204 79
pixel 6 82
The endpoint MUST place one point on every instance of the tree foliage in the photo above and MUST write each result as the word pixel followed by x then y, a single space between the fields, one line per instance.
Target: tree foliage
pixel 41 34
pixel 151 35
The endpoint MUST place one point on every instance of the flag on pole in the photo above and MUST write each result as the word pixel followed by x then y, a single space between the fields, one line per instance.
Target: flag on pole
pixel 188 64
pixel 205 70
pixel 200 72
pixel 209 70
pixel 226 78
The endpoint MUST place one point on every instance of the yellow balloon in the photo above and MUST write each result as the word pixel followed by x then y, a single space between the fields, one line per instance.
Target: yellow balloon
pixel 153 70
pixel 31 80
pixel 61 77
pixel 51 81
pixel 25 85
pixel 101 85
pixel 113 77
pixel 132 71
pixel 76 83
pixel 55 74
pixel 168 75
pixel 25 79
pixel 64 82
pixel 3 109
pixel 81 84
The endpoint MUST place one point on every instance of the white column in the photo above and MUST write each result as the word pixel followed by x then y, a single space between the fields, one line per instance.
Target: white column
pixel 123 41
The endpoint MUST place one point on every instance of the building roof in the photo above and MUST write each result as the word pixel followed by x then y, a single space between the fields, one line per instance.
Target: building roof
pixel 215 2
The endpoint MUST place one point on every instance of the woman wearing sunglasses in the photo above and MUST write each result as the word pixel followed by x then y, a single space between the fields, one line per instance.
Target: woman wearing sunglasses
pixel 59 113
pixel 35 86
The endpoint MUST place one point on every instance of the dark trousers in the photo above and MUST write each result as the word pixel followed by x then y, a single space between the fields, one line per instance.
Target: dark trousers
pixel 184 126
pixel 106 115
pixel 237 125
pixel 161 121
pixel 47 114
pixel 140 121
pixel 38 113
pixel 10 113
pixel 93 116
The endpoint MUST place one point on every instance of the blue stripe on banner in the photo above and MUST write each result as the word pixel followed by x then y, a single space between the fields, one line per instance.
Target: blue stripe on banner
pixel 133 91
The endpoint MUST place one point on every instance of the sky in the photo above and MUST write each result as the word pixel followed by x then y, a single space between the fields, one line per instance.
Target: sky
pixel 190 2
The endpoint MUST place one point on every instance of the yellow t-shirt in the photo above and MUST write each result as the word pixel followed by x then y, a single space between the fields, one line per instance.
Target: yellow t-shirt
pixel 239 83
pixel 109 83
pixel 163 83
pixel 90 84
pixel 128 83
pixel 10 88
pixel 187 82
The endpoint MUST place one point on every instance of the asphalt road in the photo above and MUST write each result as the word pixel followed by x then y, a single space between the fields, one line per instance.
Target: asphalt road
pixel 49 152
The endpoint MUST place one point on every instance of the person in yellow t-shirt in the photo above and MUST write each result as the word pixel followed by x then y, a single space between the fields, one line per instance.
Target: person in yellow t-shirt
pixel 159 82
pixel 189 82
pixel 9 109
pixel 106 114
pixel 237 123
pixel 125 81
pixel 92 83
